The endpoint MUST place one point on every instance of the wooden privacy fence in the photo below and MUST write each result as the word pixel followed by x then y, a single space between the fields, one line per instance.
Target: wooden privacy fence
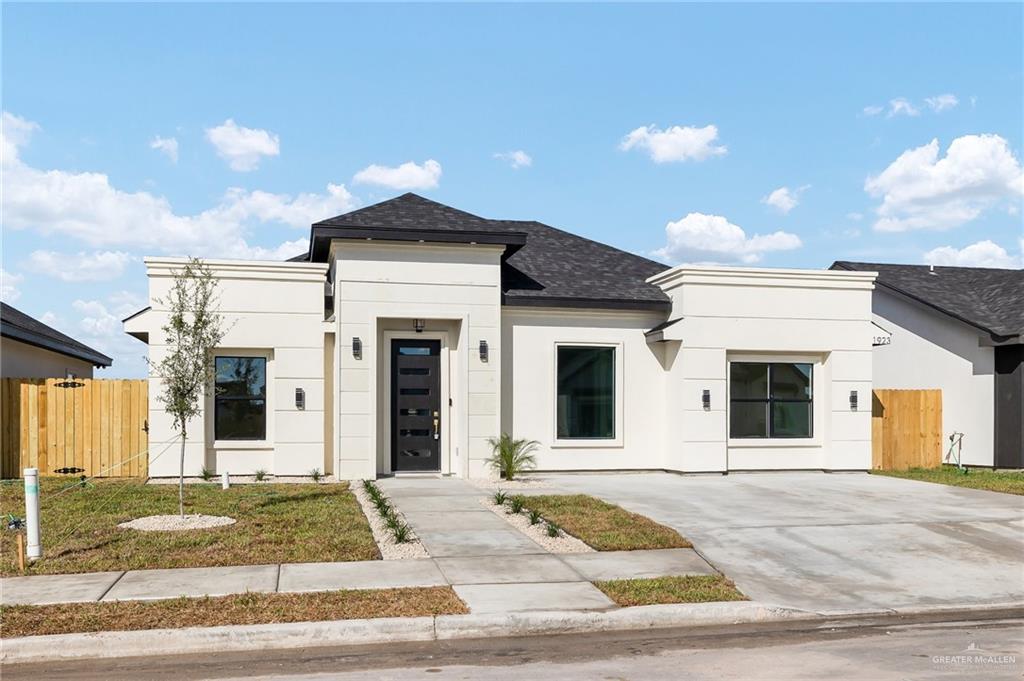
pixel 906 429
pixel 98 425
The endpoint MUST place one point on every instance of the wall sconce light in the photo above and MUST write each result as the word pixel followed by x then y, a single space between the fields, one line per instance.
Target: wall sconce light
pixel 853 400
pixel 357 348
pixel 483 351
pixel 705 399
pixel 418 325
pixel 300 398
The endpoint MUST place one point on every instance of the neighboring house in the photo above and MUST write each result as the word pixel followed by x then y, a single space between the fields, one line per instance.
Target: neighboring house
pixel 411 332
pixel 958 329
pixel 31 349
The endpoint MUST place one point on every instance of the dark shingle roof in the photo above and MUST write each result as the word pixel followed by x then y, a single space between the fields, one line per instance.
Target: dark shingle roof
pixel 986 298
pixel 17 325
pixel 552 267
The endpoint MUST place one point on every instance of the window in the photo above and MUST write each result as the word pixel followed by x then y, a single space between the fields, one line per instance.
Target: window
pixel 770 400
pixel 240 398
pixel 586 393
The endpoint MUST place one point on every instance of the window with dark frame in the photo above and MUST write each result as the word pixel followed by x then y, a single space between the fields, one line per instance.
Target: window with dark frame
pixel 771 400
pixel 585 395
pixel 240 398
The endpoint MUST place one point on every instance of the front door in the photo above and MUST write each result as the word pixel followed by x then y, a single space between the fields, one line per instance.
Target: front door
pixel 415 405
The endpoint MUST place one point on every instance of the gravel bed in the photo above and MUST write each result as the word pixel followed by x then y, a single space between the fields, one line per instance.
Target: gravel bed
pixel 175 523
pixel 242 480
pixel 389 550
pixel 563 543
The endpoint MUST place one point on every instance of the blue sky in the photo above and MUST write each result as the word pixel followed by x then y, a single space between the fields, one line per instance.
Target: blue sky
pixel 771 135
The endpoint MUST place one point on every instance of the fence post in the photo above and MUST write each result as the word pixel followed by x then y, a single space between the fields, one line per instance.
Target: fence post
pixel 35 549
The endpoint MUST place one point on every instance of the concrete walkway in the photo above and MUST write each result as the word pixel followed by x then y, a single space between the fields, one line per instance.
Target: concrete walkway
pixel 493 567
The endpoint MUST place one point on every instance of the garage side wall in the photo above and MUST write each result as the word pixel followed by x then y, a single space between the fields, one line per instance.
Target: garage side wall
pixel 765 316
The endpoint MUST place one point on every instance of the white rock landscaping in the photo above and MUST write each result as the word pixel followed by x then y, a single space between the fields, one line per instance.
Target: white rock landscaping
pixel 563 543
pixel 176 523
pixel 389 549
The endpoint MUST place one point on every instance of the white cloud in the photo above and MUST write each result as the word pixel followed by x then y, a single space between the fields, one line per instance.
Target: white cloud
pixel 9 281
pixel 940 103
pixel 981 254
pixel 288 249
pixel 713 239
pixel 919 190
pixel 100 327
pixel 678 143
pixel 95 266
pixel 873 110
pixel 855 216
pixel 85 206
pixel 243 148
pixel 168 146
pixel 15 132
pixel 406 176
pixel 785 199
pixel 517 159
pixel 902 107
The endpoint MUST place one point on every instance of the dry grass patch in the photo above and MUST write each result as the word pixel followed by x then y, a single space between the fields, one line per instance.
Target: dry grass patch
pixel 688 589
pixel 248 608
pixel 1008 482
pixel 276 523
pixel 604 526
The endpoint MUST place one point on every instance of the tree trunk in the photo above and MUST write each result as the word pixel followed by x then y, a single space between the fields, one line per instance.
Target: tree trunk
pixel 181 474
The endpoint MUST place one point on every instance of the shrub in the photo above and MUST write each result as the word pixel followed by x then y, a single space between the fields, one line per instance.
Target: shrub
pixel 206 474
pixel 511 457
pixel 534 517
pixel 260 475
pixel 553 530
pixel 316 475
pixel 515 505
pixel 499 498
pixel 401 533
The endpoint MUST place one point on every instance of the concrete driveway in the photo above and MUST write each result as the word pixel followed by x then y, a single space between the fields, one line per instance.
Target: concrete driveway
pixel 833 542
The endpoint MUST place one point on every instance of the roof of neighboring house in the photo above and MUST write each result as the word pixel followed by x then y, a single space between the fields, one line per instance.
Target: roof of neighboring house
pixel 543 266
pixel 19 326
pixel 987 298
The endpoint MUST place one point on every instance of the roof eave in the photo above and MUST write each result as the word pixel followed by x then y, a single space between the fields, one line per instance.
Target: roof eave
pixel 97 359
pixel 586 303
pixel 322 236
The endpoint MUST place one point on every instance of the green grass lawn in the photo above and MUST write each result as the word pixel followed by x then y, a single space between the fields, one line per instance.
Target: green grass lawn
pixel 248 608
pixel 1010 482
pixel 276 523
pixel 688 589
pixel 604 526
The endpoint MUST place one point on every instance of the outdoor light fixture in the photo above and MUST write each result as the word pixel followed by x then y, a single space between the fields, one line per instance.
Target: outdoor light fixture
pixel 853 400
pixel 357 347
pixel 300 398
pixel 483 351
pixel 418 325
pixel 705 399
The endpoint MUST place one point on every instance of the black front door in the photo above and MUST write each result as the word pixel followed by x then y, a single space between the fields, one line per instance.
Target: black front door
pixel 415 405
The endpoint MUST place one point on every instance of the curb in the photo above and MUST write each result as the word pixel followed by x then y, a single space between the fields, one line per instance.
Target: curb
pixel 241 638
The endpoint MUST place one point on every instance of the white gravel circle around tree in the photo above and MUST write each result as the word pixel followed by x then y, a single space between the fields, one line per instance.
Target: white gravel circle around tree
pixel 176 523
pixel 563 543
pixel 389 549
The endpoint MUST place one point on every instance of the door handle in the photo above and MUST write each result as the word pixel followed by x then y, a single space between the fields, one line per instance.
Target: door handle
pixel 437 422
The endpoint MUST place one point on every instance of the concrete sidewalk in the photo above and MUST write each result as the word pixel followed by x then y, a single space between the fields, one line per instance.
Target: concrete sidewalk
pixel 493 567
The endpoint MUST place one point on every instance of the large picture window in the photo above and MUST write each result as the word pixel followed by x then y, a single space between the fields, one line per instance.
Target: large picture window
pixel 586 393
pixel 240 398
pixel 769 400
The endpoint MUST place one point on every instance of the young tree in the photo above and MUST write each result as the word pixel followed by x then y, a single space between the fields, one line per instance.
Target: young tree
pixel 193 329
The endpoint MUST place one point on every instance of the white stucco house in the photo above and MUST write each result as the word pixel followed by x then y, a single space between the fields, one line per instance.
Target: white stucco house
pixel 411 332
pixel 959 330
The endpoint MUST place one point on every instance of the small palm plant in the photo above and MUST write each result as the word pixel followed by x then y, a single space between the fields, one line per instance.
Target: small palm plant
pixel 510 456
